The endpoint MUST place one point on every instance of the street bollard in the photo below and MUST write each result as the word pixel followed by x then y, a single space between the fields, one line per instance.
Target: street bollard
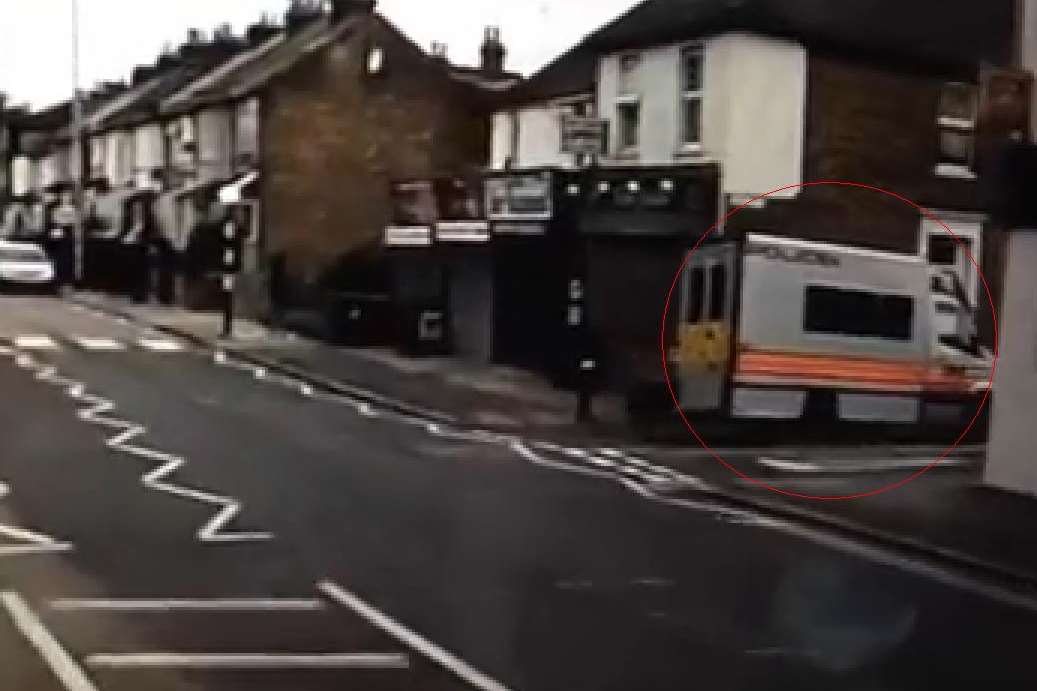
pixel 584 391
pixel 228 306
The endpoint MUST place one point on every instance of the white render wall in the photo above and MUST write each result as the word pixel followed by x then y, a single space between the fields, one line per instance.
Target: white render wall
pixel 1028 49
pixel 1010 463
pixel 148 150
pixel 539 135
pixel 214 134
pixel 754 106
pixel 501 138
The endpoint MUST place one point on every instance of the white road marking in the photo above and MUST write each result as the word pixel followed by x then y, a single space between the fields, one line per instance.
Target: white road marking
pixel 248 661
pixel 35 342
pixel 97 412
pixel 98 343
pixel 64 667
pixel 35 543
pixel 786 465
pixel 414 640
pixel 859 465
pixel 189 605
pixel 160 345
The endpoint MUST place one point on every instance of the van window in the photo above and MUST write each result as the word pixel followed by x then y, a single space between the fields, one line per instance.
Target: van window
pixel 717 292
pixel 696 286
pixel 858 313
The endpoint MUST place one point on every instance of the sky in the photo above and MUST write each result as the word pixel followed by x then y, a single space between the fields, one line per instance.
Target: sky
pixel 38 37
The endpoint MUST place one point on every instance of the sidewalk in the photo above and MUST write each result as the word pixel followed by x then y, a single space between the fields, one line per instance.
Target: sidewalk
pixel 501 398
pixel 946 515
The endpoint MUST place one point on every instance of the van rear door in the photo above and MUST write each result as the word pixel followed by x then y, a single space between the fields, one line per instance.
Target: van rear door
pixel 705 327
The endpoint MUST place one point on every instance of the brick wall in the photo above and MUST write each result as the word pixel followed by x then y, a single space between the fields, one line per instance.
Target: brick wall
pixel 872 125
pixel 333 137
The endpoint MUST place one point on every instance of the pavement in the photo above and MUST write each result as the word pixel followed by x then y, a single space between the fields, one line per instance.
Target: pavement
pixel 174 518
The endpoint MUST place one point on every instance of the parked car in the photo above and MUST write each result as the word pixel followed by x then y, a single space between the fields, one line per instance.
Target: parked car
pixel 25 265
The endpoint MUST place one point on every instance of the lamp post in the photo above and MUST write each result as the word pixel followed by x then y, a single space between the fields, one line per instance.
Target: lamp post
pixel 80 158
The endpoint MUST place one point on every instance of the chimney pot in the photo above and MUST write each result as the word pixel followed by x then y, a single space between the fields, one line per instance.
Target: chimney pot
pixel 493 51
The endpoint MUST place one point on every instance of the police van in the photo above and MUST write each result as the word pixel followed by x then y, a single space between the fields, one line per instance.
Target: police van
pixel 776 328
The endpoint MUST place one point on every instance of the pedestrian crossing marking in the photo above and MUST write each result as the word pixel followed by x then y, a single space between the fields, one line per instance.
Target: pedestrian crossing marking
pixel 35 342
pixel 160 345
pixel 99 343
pixel 248 661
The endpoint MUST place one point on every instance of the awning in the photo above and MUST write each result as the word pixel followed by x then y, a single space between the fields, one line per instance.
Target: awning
pixel 196 186
pixel 233 192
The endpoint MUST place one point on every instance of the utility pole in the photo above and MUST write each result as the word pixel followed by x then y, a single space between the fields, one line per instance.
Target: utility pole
pixel 80 158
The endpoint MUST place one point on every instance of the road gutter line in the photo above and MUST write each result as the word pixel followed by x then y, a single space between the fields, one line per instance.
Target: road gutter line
pixel 410 638
pixel 64 667
pixel 189 605
pixel 248 661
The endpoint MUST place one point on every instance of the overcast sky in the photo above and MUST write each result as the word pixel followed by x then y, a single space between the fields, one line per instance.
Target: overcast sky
pixel 37 37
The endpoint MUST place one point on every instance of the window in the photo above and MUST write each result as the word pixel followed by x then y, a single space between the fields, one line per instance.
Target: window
pixel 629 116
pixel 956 123
pixel 717 292
pixel 696 285
pixel 691 97
pixel 860 313
pixel 413 204
pixel 628 68
pixel 943 250
pixel 375 60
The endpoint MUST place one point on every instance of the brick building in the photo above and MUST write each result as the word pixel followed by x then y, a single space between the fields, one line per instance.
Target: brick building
pixel 318 118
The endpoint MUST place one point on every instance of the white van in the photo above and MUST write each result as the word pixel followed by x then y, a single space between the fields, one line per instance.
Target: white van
pixel 780 329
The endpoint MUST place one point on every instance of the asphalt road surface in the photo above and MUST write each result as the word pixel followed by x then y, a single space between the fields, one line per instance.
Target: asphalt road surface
pixel 168 521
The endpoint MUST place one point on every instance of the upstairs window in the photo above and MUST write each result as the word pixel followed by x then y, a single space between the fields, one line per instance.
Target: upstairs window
pixel 629 65
pixel 956 124
pixel 628 114
pixel 628 105
pixel 691 98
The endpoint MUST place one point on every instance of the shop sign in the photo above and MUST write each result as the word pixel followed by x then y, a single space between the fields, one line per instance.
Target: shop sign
pixel 408 236
pixel 463 231
pixel 519 196
pixel 523 229
pixel 581 135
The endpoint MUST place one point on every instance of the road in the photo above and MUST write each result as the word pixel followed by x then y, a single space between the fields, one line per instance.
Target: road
pixel 169 521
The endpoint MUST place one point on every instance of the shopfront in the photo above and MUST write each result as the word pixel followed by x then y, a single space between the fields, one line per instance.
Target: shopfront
pixel 418 277
pixel 533 216
pixel 636 227
pixel 463 245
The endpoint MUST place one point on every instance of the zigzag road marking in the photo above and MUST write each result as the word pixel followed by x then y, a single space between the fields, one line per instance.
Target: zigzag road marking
pixel 32 542
pixel 97 412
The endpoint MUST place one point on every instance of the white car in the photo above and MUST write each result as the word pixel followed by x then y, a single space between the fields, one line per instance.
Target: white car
pixel 25 265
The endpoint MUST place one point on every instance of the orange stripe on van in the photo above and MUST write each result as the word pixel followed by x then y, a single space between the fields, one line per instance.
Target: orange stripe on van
pixel 847 371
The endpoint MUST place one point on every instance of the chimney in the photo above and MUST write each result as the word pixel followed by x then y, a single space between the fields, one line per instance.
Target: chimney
pixel 341 8
pixel 261 31
pixel 493 51
pixel 438 51
pixel 302 12
pixel 141 74
pixel 223 33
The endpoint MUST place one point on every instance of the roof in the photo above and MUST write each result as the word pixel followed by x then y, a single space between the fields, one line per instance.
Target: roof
pixel 574 72
pixel 210 83
pixel 146 106
pixel 948 34
pixel 258 66
pixel 951 33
